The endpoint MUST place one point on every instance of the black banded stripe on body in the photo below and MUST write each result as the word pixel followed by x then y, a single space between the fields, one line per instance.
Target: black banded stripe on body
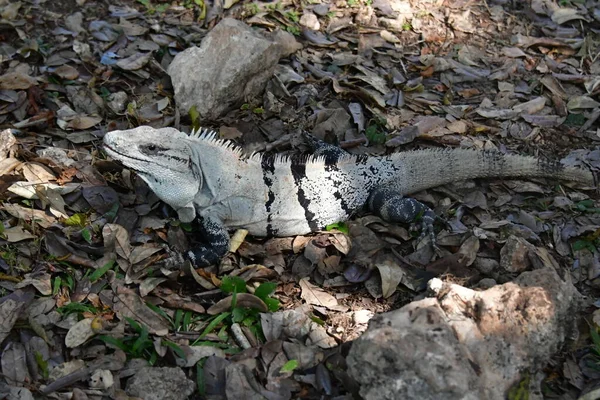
pixel 268 168
pixel 298 169
pixel 332 155
pixel 339 184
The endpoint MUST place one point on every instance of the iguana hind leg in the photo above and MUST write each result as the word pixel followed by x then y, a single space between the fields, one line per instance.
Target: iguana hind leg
pixel 392 206
pixel 217 243
pixel 387 203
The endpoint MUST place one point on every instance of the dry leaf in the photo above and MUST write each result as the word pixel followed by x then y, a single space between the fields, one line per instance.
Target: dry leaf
pixel 80 333
pixel 66 72
pixel 242 300
pixel 16 234
pixel 391 276
pixel 81 122
pixel 16 80
pixel 317 296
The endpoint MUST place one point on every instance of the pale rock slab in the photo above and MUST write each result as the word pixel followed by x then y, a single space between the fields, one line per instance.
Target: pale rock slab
pixel 232 64
pixel 465 344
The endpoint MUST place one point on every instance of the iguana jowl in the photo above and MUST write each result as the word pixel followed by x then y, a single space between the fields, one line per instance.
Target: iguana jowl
pixel 202 176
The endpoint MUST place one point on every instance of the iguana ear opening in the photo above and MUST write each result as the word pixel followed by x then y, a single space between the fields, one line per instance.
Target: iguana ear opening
pixel 197 171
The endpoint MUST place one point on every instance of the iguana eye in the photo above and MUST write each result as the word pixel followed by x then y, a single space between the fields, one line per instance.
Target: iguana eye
pixel 150 148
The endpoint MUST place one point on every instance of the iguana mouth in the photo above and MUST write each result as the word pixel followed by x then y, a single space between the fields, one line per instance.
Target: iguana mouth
pixel 122 156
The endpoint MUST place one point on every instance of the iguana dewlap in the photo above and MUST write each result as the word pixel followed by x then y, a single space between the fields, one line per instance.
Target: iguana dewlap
pixel 202 176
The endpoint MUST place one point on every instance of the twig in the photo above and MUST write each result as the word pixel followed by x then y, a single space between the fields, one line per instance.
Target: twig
pixel 67 380
pixel 239 336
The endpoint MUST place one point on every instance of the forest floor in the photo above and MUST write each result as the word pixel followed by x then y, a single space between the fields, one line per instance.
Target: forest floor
pixel 84 300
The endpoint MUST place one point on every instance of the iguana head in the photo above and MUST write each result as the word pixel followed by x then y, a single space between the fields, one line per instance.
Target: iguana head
pixel 162 158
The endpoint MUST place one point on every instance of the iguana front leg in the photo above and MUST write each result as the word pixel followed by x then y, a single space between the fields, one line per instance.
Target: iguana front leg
pixel 216 238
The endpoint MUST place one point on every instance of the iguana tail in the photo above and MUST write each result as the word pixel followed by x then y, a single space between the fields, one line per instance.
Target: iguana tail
pixel 423 169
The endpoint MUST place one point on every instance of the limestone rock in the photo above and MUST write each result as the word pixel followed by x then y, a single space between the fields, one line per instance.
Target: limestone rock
pixel 465 344
pixel 310 21
pixel 232 64
pixel 160 384
pixel 514 256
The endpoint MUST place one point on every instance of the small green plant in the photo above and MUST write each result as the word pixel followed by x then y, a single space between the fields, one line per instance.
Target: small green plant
pixel 274 6
pixel 340 226
pixel 352 3
pixel 195 117
pixel 293 29
pixel 406 26
pixel 594 360
pixel 104 93
pixel 140 345
pixel 252 8
pixel 78 308
pixel 575 120
pixel 568 3
pixel 183 320
pixel 289 366
pixel 62 280
pixel 587 206
pixel 249 317
pixel 585 243
pixel 292 16
pixel 78 220
pixel 234 284
pixel 42 364
pixel 10 255
pixel 99 273
pixel 151 9
pixel 520 390
pixel 375 133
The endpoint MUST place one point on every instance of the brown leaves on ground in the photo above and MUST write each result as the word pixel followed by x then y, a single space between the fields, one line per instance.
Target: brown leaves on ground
pixel 92 290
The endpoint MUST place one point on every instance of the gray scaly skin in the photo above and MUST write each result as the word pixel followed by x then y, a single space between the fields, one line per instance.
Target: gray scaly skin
pixel 205 177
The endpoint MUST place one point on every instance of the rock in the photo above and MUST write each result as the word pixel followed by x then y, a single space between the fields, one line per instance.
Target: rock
pixel 19 393
pixel 486 266
pixel 310 21
pixel 514 256
pixel 287 42
pixel 233 63
pixel 101 379
pixel 365 16
pixel 465 344
pixel 117 102
pixel 402 7
pixel 486 283
pixel 321 9
pixel 384 7
pixel 160 384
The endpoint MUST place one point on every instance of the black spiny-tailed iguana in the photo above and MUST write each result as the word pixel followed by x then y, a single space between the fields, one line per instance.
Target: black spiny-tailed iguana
pixel 202 176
